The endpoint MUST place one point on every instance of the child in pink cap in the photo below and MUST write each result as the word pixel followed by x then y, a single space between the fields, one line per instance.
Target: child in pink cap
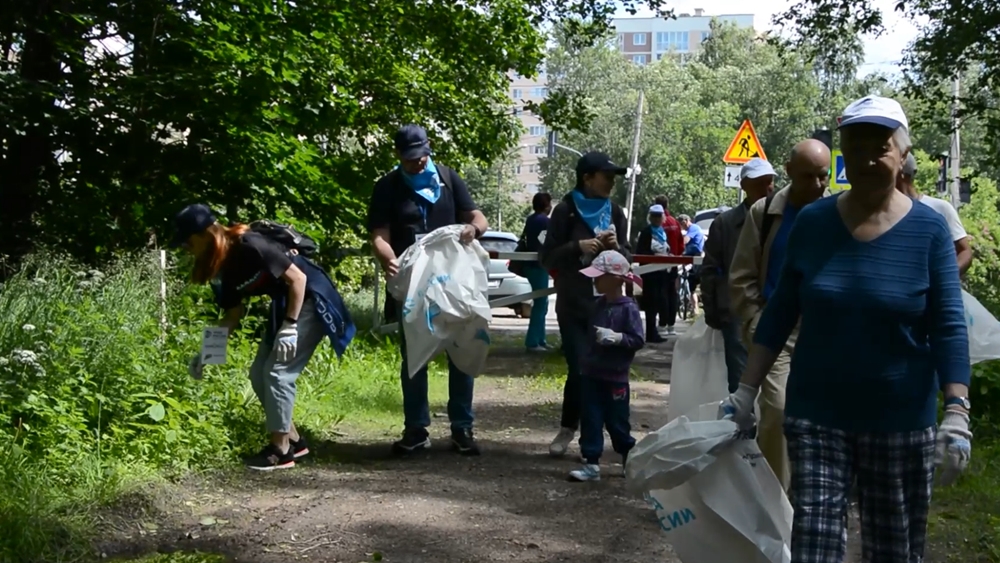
pixel 617 334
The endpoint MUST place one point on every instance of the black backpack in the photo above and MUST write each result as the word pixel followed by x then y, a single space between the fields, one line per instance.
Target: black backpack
pixel 286 235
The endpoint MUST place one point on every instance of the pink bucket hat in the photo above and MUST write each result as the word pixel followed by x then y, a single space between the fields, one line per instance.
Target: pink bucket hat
pixel 613 263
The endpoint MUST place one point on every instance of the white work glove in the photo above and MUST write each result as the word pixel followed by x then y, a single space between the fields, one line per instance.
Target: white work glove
pixel 954 446
pixel 195 367
pixel 608 337
pixel 285 342
pixel 738 407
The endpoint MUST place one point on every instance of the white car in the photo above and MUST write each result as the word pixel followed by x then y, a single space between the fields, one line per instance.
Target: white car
pixel 502 282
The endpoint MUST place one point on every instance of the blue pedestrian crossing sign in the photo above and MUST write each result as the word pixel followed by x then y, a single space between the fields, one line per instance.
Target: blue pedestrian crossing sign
pixel 839 172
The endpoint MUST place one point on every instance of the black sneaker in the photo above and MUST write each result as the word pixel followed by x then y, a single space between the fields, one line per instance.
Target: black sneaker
pixel 413 440
pixel 464 442
pixel 299 448
pixel 271 458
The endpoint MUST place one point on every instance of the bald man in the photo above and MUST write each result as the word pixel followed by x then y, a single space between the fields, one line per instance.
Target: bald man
pixel 754 274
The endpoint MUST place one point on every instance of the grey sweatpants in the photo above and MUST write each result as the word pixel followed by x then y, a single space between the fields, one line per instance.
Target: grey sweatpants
pixel 274 382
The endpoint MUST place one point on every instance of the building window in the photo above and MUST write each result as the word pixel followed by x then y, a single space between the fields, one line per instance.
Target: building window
pixel 705 35
pixel 639 59
pixel 638 38
pixel 517 93
pixel 534 169
pixel 659 56
pixel 540 92
pixel 672 40
pixel 517 169
pixel 518 111
pixel 539 149
pixel 531 188
pixel 620 40
pixel 536 130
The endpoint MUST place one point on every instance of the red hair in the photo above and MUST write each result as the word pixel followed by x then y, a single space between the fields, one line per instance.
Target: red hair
pixel 209 262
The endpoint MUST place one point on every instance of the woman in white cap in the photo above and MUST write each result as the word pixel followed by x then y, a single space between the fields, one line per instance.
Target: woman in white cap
pixel 653 242
pixel 872 268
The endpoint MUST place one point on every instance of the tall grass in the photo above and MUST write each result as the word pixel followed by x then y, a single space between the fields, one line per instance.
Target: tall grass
pixel 94 391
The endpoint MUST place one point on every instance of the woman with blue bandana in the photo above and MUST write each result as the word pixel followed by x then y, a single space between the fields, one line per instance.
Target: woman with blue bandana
pixel 585 223
pixel 417 197
pixel 653 241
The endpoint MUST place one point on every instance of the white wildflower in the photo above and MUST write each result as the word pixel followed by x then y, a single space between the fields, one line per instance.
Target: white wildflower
pixel 96 274
pixel 28 327
pixel 4 360
pixel 81 274
pixel 24 356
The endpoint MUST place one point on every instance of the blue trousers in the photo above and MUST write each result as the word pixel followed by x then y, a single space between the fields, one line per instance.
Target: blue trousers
pixel 538 277
pixel 416 410
pixel 605 405
pixel 736 354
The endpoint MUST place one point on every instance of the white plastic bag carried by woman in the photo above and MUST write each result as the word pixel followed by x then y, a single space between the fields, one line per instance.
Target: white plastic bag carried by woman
pixel 984 330
pixel 714 494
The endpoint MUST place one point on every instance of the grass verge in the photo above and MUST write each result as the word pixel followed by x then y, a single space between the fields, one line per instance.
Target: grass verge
pixel 964 523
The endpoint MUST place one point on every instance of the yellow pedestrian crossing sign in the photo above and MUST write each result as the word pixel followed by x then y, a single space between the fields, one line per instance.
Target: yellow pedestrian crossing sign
pixel 745 146
pixel 839 171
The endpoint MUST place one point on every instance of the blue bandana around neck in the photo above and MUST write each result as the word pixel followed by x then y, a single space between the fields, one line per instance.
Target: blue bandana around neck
pixel 426 184
pixel 658 232
pixel 595 211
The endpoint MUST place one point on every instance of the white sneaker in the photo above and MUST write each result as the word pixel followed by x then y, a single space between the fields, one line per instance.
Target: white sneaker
pixel 671 331
pixel 588 472
pixel 561 442
pixel 539 350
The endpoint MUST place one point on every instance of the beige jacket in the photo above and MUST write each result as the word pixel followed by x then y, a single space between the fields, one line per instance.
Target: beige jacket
pixel 748 271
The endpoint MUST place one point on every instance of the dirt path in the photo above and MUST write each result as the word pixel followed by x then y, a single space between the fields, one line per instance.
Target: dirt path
pixel 353 502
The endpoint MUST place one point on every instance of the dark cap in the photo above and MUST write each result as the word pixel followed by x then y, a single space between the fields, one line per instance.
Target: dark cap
pixel 595 161
pixel 412 143
pixel 192 220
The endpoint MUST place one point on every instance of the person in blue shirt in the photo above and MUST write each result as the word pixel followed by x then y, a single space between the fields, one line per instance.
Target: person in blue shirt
pixel 873 277
pixel 694 245
pixel 535 228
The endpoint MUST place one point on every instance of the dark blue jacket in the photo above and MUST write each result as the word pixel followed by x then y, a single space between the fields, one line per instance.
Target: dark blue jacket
pixel 330 307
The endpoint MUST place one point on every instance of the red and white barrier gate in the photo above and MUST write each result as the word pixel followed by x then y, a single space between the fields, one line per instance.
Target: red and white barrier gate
pixel 641 264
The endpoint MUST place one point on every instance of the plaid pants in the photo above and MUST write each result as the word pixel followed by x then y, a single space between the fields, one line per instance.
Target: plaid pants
pixel 895 473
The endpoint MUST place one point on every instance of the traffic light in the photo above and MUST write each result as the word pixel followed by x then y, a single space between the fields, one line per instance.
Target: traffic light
pixel 825 136
pixel 551 149
pixel 942 183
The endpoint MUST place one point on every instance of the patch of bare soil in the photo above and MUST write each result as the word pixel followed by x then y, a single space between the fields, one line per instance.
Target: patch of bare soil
pixel 354 502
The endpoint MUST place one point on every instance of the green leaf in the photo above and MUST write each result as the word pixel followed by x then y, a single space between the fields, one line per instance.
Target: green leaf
pixel 157 412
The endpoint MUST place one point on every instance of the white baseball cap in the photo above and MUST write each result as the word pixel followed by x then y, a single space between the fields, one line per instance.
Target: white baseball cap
pixel 877 110
pixel 755 168
pixel 656 209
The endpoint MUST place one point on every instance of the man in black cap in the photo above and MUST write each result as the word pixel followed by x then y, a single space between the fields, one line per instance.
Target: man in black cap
pixel 417 197
pixel 583 224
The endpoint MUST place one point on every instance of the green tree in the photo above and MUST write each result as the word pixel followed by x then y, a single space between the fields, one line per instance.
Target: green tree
pixel 497 193
pixel 248 106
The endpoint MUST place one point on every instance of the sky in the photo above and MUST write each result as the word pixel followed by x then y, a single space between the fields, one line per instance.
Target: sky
pixel 881 53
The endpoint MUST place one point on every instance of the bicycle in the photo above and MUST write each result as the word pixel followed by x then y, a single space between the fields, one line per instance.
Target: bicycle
pixel 685 306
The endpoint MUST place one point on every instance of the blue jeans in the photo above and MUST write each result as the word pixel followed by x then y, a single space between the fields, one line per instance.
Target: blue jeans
pixel 417 411
pixel 605 405
pixel 736 354
pixel 538 277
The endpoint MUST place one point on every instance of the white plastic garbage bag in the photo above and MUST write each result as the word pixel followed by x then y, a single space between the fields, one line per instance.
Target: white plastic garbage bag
pixel 984 330
pixel 698 373
pixel 442 285
pixel 714 494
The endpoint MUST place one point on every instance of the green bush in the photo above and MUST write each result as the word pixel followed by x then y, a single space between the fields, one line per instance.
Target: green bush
pixel 94 392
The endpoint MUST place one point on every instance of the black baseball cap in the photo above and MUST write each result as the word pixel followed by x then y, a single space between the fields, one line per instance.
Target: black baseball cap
pixel 412 142
pixel 192 220
pixel 595 161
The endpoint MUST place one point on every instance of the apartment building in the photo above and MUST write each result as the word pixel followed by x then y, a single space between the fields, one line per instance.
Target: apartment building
pixel 644 40
pixel 533 141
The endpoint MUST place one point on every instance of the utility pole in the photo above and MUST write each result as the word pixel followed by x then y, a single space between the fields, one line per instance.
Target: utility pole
pixel 956 169
pixel 499 191
pixel 634 167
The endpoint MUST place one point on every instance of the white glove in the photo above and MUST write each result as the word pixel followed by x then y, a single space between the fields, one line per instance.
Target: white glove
pixel 195 367
pixel 954 446
pixel 285 342
pixel 738 407
pixel 608 337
